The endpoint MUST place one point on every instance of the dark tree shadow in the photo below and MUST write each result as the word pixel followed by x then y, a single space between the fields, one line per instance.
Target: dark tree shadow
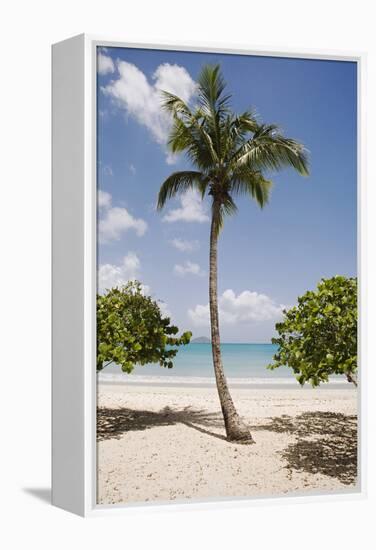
pixel 113 423
pixel 327 443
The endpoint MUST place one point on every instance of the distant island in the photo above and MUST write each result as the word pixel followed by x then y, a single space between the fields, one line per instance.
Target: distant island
pixel 201 340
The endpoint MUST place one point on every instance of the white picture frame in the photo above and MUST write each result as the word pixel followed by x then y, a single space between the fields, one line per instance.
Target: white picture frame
pixel 74 273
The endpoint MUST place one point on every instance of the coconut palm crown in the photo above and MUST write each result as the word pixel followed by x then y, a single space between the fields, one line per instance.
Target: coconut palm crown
pixel 230 154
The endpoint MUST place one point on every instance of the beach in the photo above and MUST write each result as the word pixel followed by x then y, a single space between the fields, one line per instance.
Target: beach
pixel 163 443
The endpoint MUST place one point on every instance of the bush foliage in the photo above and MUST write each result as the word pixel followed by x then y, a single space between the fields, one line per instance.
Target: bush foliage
pixel 131 329
pixel 318 337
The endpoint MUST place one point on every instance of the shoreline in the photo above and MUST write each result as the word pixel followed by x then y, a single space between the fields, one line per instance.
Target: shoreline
pixel 205 382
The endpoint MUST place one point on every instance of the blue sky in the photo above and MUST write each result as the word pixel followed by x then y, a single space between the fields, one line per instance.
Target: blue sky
pixel 266 257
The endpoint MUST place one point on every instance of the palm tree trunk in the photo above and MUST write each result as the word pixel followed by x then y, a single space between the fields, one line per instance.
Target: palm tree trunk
pixel 235 428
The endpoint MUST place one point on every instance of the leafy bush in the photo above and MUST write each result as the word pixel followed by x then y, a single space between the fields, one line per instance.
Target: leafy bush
pixel 318 337
pixel 132 330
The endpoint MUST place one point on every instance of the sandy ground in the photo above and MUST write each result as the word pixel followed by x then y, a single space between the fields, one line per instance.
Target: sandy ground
pixel 163 443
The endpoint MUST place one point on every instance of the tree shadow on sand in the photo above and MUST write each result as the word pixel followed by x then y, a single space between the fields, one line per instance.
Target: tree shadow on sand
pixel 113 423
pixel 327 443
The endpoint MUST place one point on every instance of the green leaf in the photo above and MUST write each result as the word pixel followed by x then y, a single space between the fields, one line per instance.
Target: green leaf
pixel 318 337
pixel 131 329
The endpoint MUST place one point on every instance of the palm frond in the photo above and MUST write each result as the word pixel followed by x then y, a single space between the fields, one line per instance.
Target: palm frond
pixel 188 133
pixel 226 207
pixel 174 104
pixel 269 149
pixel 194 141
pixel 230 152
pixel 248 182
pixel 217 219
pixel 236 130
pixel 180 182
pixel 213 102
pixel 211 86
pixel 244 123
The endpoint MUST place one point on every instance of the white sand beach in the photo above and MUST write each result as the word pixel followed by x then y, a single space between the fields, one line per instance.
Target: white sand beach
pixel 168 444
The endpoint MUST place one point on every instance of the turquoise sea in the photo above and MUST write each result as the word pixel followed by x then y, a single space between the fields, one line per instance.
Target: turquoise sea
pixel 244 364
pixel 239 360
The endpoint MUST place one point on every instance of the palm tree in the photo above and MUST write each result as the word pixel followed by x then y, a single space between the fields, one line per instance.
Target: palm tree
pixel 230 154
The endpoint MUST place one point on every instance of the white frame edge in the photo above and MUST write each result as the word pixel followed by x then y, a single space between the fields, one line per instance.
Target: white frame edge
pixel 68 377
pixel 74 277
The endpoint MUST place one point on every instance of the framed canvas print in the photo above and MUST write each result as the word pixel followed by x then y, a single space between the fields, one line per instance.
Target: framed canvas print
pixel 206 275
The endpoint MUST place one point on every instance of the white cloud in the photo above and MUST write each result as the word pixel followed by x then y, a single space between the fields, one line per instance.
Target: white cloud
pixel 114 221
pixel 188 268
pixel 105 64
pixel 247 307
pixel 164 309
pixel 185 246
pixel 132 169
pixel 117 221
pixel 200 315
pixel 171 158
pixel 174 79
pixel 192 209
pixel 142 99
pixel 111 275
pixel 104 199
